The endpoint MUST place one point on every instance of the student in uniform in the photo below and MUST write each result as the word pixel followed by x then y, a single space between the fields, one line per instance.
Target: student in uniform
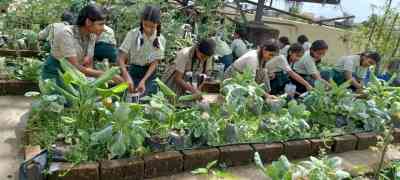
pixel 105 47
pixel 256 60
pixel 281 68
pixel 195 59
pixel 76 45
pixel 354 68
pixel 47 34
pixel 238 45
pixel 284 45
pixel 307 66
pixel 141 52
pixel 303 40
pixel 223 50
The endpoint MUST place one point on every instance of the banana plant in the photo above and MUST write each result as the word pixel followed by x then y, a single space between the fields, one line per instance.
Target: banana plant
pixel 81 93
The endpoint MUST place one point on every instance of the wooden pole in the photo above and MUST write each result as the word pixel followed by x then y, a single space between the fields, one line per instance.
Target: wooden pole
pixel 259 11
pixel 392 28
pixel 394 53
pixel 378 36
pixel 244 18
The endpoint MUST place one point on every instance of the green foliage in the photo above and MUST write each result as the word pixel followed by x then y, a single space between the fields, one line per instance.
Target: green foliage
pixel 378 33
pixel 314 169
pixel 24 69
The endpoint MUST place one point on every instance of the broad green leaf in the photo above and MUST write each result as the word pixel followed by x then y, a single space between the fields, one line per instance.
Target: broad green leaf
pixel 258 161
pixel 67 77
pixel 118 148
pixel 120 88
pixel 32 94
pixel 200 171
pixel 68 120
pixel 342 174
pixel 103 135
pixel 211 164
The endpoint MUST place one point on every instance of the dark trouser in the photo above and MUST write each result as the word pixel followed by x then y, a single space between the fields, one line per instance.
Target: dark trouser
pixel 50 70
pixel 227 60
pixel 279 82
pixel 137 73
pixel 340 78
pixel 299 87
pixel 104 50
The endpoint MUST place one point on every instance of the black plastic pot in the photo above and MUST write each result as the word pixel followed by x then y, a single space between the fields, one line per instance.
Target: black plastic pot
pixel 231 133
pixel 156 143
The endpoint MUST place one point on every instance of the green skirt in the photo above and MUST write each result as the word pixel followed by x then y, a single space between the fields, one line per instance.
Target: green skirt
pixel 279 82
pixel 338 77
pixel 50 70
pixel 137 73
pixel 104 50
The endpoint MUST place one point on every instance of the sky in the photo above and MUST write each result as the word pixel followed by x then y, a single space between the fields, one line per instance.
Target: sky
pixel 360 8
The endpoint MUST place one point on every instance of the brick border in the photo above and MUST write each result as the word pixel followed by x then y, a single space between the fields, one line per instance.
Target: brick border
pixel 18 53
pixel 17 87
pixel 172 162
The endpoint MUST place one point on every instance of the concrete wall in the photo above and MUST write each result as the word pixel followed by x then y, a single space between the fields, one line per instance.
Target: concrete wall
pixel 335 37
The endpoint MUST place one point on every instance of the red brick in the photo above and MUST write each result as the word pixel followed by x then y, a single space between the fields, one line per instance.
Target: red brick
pixel 236 155
pixel 163 164
pixel 396 135
pixel 17 87
pixel 199 158
pixel 210 87
pixel 66 171
pixel 317 144
pixel 344 143
pixel 365 140
pixel 297 149
pixel 122 169
pixel 269 152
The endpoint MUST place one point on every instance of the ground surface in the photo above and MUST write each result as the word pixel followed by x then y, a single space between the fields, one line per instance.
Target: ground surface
pixel 13 115
pixel 13 111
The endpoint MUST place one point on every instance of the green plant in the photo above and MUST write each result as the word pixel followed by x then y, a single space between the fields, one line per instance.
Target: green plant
pixel 25 69
pixel 242 94
pixel 125 134
pixel 315 169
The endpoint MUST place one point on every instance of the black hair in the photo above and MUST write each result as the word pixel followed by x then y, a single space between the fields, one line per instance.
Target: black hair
pixel 67 16
pixel 270 45
pixel 92 12
pixel 302 39
pixel 373 55
pixel 284 41
pixel 207 46
pixel 241 32
pixel 295 48
pixel 153 14
pixel 319 45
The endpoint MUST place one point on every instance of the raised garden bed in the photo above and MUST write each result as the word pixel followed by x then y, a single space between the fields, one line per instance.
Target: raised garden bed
pixel 163 164
pixel 172 162
pixel 66 171
pixel 345 143
pixel 17 87
pixel 19 53
pixel 269 152
pixel 194 159
pixel 122 169
pixel 236 155
pixel 318 144
pixel 297 149
pixel 365 140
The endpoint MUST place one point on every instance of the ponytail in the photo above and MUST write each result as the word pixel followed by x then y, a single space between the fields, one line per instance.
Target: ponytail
pixel 153 14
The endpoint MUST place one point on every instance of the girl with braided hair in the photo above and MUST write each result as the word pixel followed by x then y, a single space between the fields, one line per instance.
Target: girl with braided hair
pixel 141 51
